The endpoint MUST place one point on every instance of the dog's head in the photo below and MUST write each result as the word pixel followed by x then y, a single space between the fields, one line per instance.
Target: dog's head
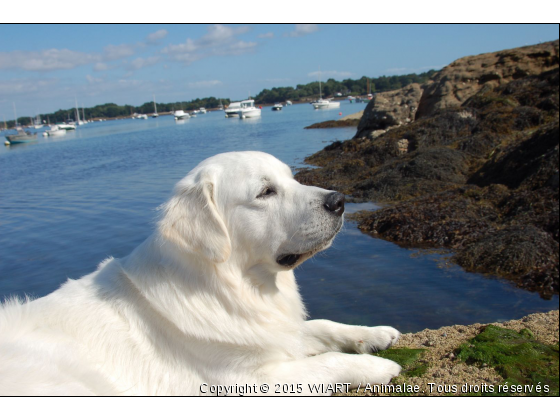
pixel 246 207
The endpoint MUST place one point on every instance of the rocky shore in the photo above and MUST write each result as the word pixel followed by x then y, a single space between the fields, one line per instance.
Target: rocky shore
pixel 468 161
pixel 478 360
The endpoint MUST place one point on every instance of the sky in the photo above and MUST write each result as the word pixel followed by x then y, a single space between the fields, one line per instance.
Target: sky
pixel 44 68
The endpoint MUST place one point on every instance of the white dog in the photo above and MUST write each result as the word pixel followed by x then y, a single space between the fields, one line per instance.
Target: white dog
pixel 207 304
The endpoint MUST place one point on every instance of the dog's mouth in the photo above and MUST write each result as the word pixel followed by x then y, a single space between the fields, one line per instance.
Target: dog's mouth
pixel 289 260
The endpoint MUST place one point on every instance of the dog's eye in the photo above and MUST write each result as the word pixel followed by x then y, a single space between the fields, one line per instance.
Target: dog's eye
pixel 267 191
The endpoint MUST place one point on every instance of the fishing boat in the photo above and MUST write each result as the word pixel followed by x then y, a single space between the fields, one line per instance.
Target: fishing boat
pixel 68 125
pixel 324 103
pixel 247 109
pixel 54 131
pixel 21 137
pixel 181 115
pixel 277 107
pixel 232 109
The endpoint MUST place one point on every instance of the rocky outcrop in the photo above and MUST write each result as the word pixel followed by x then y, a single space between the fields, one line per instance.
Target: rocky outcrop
pixel 480 177
pixel 389 109
pixel 465 77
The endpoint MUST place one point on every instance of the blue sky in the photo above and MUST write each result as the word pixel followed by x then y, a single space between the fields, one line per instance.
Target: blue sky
pixel 45 67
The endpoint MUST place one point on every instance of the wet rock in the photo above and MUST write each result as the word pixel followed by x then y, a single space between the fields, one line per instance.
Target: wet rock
pixel 334 124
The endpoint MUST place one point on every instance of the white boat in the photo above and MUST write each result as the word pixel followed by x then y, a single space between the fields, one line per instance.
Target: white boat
pixel 68 125
pixel 141 116
pixel 277 107
pixel 232 109
pixel 288 103
pixel 55 131
pixel 248 109
pixel 181 115
pixel 324 103
pixel 202 110
pixel 155 114
pixel 37 124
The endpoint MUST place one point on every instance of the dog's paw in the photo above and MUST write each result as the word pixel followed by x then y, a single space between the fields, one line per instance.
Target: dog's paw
pixel 387 371
pixel 377 370
pixel 375 339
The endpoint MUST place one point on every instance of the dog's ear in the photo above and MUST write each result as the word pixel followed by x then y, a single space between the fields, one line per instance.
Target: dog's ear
pixel 191 220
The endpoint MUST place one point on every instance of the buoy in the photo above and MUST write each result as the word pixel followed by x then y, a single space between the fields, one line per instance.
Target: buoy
pixel 340 113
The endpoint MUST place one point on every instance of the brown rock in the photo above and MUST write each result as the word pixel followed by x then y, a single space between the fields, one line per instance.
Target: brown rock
pixel 388 109
pixel 467 76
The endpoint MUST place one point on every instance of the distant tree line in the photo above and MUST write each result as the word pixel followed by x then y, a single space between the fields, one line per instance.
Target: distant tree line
pixel 347 87
pixel 331 87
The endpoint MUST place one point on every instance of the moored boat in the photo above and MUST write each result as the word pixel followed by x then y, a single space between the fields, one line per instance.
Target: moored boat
pixel 277 107
pixel 324 103
pixel 21 137
pixel 248 110
pixel 181 115
pixel 54 131
pixel 232 109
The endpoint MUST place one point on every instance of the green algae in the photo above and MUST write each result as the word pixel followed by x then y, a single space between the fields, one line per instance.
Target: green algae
pixel 527 366
pixel 408 359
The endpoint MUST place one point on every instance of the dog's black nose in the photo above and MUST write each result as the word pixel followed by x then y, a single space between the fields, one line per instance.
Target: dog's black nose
pixel 335 203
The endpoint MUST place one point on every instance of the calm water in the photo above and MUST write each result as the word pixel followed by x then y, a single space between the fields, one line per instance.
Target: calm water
pixel 67 204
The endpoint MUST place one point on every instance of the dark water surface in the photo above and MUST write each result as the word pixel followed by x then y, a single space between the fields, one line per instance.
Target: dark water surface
pixel 66 204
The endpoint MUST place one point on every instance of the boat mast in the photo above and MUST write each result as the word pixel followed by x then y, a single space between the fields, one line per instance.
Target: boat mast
pixel 15 114
pixel 83 113
pixel 320 93
pixel 155 107
pixel 77 112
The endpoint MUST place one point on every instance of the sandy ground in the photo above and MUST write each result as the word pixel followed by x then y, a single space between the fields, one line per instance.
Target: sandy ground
pixel 355 116
pixel 445 371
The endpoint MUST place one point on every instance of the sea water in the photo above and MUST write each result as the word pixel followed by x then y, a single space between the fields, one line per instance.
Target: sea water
pixel 69 202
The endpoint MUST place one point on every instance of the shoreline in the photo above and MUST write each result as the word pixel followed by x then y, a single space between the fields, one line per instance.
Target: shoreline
pixel 442 367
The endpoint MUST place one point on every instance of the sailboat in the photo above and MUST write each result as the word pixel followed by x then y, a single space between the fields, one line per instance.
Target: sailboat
pixel 323 103
pixel 155 114
pixel 37 124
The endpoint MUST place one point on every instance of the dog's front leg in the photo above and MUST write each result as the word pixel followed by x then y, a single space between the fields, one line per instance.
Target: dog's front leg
pixel 322 336
pixel 320 374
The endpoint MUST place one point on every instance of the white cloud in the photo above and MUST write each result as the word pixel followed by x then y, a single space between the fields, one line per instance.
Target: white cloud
pixel 140 62
pixel 302 29
pixel 267 35
pixel 325 74
pixel 116 52
pixel 100 67
pixel 45 60
pixel 156 36
pixel 25 86
pixel 219 40
pixel 92 79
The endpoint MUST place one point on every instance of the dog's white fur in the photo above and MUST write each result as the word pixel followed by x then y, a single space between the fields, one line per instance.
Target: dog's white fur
pixel 202 301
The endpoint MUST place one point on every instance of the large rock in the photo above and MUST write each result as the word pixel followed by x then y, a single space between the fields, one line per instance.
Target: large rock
pixel 389 109
pixel 463 78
